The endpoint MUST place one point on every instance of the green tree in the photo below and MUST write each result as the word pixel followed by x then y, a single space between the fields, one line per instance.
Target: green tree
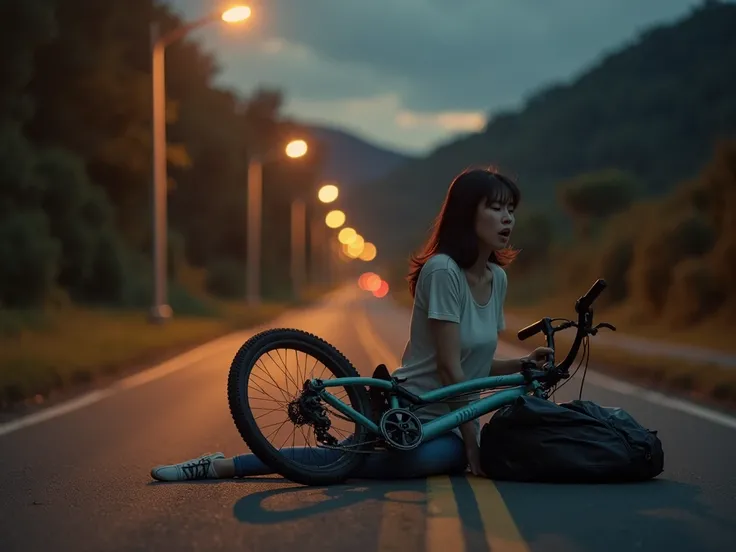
pixel 594 197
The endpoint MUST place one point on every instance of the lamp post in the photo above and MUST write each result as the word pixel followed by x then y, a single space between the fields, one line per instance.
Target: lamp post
pixel 160 309
pixel 298 246
pixel 294 150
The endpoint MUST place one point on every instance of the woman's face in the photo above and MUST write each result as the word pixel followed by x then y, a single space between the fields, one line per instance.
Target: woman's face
pixel 493 223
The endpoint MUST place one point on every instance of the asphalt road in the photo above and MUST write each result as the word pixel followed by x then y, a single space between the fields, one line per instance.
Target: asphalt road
pixel 79 480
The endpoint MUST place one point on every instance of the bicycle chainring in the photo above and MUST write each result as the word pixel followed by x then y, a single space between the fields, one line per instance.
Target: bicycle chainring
pixel 401 429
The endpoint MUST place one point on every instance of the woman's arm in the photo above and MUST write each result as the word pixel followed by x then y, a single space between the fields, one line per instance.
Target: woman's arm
pixel 506 366
pixel 446 336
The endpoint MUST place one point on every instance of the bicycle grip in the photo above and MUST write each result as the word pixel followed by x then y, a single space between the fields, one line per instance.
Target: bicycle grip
pixel 593 293
pixel 532 329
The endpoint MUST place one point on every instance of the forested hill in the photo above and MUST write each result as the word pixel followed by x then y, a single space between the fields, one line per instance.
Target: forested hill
pixel 351 160
pixel 654 109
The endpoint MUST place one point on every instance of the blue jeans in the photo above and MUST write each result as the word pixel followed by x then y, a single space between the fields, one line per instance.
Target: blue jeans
pixel 443 455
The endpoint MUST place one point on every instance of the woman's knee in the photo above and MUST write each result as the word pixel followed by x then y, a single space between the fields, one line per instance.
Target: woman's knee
pixel 445 454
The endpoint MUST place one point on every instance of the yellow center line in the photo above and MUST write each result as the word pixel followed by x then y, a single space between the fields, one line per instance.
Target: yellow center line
pixel 444 526
pixel 500 528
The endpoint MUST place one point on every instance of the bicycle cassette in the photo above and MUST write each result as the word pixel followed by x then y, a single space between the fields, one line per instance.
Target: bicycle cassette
pixel 401 429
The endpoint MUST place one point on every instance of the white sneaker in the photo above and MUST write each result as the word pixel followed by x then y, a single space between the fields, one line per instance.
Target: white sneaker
pixel 198 468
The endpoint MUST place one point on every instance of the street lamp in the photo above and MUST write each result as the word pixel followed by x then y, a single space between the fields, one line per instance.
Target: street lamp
pixel 160 309
pixel 236 14
pixel 294 150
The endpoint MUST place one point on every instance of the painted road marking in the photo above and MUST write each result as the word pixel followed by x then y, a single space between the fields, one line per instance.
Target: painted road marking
pixel 444 526
pixel 501 530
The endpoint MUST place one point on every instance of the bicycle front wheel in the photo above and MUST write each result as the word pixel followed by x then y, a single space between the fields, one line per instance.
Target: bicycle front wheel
pixel 264 393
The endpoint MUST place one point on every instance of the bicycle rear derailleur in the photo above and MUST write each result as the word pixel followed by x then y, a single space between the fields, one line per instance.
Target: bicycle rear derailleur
pixel 307 409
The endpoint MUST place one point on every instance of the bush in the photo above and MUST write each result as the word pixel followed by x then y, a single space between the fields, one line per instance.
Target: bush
pixel 226 279
pixel 533 235
pixel 722 262
pixel 185 303
pixel 575 265
pixel 613 265
pixel 673 237
pixel 93 263
pixel 28 259
pixel 693 293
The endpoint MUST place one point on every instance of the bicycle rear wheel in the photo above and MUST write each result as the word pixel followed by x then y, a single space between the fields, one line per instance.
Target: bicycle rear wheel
pixel 244 400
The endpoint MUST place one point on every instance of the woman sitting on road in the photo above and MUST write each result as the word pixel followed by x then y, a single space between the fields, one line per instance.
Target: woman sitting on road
pixel 459 289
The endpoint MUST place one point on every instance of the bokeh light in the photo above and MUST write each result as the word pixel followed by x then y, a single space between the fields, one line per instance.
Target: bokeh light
pixel 328 193
pixel 369 281
pixel 352 250
pixel 369 252
pixel 296 148
pixel 236 14
pixel 358 242
pixel 382 290
pixel 335 219
pixel 347 235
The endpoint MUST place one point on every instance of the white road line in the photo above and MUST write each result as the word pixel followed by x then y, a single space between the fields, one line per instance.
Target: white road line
pixel 660 399
pixel 228 343
pixel 594 378
pixel 55 411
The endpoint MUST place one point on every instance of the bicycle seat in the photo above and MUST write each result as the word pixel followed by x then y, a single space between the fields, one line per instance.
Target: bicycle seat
pixel 378 398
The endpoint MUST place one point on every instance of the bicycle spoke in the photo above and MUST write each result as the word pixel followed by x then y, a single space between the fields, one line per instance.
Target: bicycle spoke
pixel 284 370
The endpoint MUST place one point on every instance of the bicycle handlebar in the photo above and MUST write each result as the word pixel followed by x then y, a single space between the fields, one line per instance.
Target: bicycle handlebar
pixel 530 330
pixel 587 300
pixel 584 326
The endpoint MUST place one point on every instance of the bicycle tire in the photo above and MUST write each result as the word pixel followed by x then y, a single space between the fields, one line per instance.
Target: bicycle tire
pixel 245 423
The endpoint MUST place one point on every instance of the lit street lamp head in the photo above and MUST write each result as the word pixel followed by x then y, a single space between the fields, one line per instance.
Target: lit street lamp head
pixel 236 14
pixel 328 193
pixel 296 148
pixel 335 219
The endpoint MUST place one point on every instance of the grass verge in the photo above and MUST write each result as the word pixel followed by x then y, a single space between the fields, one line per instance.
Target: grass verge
pixel 47 353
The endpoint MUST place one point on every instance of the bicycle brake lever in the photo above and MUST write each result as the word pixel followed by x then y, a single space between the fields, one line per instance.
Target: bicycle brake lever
pixel 606 325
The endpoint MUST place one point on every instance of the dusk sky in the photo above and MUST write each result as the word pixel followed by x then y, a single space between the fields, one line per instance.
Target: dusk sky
pixel 410 74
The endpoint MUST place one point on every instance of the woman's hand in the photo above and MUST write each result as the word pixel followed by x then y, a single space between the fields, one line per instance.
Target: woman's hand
pixel 539 356
pixel 472 450
pixel 473 453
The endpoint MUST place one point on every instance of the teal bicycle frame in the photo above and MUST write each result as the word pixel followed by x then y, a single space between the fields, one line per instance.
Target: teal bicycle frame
pixel 527 381
pixel 520 385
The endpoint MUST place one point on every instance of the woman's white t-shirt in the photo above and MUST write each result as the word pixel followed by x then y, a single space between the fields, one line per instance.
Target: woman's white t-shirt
pixel 443 293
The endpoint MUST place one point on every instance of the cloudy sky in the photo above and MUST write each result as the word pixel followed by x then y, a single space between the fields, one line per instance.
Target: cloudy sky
pixel 410 74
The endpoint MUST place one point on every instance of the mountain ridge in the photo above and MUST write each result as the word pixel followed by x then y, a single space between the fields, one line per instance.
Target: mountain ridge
pixel 653 107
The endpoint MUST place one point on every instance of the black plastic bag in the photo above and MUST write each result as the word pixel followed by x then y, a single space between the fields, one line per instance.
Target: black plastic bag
pixel 538 440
